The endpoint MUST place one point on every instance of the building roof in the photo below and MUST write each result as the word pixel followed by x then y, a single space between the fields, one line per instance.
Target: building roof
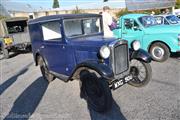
pixel 62 16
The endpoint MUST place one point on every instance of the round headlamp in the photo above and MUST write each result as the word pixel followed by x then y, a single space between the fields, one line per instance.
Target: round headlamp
pixel 136 45
pixel 104 52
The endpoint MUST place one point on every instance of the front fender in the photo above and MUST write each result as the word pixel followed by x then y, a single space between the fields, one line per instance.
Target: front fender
pixel 141 55
pixel 100 68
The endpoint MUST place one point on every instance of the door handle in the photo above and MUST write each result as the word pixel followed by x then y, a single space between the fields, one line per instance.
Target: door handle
pixel 124 32
pixel 42 47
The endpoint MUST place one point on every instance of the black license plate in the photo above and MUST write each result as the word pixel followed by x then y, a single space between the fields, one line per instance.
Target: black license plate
pixel 120 82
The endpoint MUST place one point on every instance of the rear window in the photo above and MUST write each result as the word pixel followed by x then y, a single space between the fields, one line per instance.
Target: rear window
pixel 51 31
pixel 16 26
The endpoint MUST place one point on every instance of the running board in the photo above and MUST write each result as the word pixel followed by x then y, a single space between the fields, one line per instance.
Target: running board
pixel 60 76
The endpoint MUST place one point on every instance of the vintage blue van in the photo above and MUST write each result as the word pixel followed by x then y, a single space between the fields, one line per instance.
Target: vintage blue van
pixel 72 47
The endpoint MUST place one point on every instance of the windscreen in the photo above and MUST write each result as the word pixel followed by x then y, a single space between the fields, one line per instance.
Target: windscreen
pixel 148 21
pixel 16 26
pixel 82 27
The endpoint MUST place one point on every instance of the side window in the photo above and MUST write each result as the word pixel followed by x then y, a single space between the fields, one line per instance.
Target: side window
pixel 136 24
pixel 51 30
pixel 128 23
pixel 166 22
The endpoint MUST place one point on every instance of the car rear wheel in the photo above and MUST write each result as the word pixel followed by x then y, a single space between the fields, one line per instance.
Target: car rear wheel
pixel 95 90
pixel 159 52
pixel 44 70
pixel 142 73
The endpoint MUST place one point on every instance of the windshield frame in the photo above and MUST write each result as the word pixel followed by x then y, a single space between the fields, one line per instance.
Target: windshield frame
pixel 82 27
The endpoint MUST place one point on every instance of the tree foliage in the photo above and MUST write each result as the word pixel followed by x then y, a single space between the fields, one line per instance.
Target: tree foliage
pixel 125 11
pixel 177 4
pixel 77 11
pixel 55 4
pixel 2 17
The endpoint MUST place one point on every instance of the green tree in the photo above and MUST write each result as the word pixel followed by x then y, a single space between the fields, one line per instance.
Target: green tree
pixel 177 4
pixel 77 11
pixel 55 4
pixel 2 17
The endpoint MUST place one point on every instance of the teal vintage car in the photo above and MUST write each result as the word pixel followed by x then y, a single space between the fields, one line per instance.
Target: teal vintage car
pixel 159 40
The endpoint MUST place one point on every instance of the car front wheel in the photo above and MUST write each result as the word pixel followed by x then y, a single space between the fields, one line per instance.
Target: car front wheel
pixel 44 70
pixel 95 90
pixel 142 73
pixel 159 52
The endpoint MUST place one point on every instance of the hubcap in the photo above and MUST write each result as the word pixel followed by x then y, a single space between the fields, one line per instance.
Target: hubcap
pixel 158 52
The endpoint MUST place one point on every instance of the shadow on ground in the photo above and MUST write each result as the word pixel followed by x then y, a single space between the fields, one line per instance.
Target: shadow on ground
pixel 113 114
pixel 175 55
pixel 27 102
pixel 19 52
pixel 4 86
pixel 14 54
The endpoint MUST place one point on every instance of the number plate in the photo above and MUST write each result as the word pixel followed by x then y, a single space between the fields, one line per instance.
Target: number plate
pixel 8 41
pixel 121 82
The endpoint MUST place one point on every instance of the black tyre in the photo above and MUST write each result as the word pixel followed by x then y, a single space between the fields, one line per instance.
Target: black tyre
pixel 142 73
pixel 159 52
pixel 96 91
pixel 5 53
pixel 44 70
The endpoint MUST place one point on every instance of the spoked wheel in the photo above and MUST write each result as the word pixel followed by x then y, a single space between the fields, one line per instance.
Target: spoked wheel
pixel 96 91
pixel 45 72
pixel 141 72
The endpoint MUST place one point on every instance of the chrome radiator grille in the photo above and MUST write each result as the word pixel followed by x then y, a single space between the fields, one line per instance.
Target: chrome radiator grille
pixel 120 57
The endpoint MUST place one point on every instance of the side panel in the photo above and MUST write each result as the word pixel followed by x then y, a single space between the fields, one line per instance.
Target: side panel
pixel 21 38
pixel 35 38
pixel 169 39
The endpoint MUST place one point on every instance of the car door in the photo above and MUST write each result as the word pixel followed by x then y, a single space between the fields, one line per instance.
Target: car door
pixel 53 47
pixel 131 31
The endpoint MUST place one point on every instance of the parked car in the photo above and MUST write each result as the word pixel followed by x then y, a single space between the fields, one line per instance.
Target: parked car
pixel 72 47
pixel 14 35
pixel 167 19
pixel 158 40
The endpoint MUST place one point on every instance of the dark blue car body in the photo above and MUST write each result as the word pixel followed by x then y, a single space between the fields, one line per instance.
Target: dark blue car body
pixel 66 55
pixel 73 47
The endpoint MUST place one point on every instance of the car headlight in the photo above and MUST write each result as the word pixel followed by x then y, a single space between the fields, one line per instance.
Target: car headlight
pixel 136 45
pixel 104 52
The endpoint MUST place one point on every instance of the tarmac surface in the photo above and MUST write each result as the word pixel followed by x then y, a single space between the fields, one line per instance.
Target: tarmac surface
pixel 24 95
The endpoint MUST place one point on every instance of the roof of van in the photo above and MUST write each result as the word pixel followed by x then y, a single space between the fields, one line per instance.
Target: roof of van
pixel 61 16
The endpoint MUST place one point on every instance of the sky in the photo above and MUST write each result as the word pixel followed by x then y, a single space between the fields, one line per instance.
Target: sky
pixel 35 5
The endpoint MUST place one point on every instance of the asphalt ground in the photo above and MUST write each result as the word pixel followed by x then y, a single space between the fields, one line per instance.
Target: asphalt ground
pixel 24 94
